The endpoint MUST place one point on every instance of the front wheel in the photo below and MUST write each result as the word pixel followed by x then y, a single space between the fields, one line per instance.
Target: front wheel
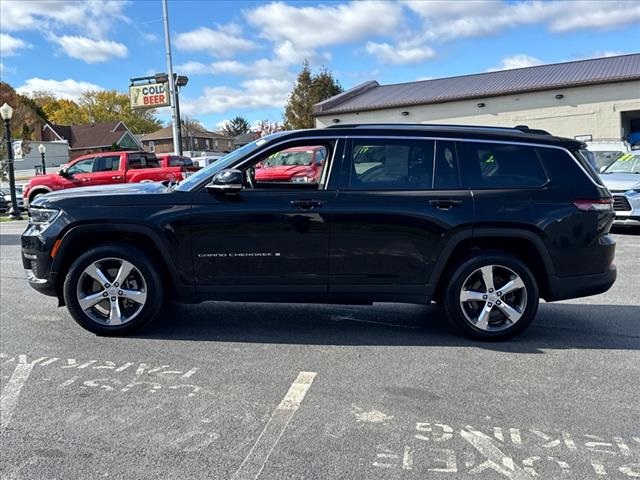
pixel 491 296
pixel 113 290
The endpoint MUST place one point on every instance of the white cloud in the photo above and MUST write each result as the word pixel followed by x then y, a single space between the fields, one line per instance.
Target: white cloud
pixel 399 54
pixel 447 21
pixel 91 51
pixel 10 45
pixel 253 94
pixel 69 89
pixel 517 61
pixel 312 27
pixel 223 42
pixel 94 18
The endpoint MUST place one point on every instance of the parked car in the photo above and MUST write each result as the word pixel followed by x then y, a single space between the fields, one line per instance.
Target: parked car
pixel 299 164
pixel 622 178
pixel 105 168
pixel 4 205
pixel 6 194
pixel 483 220
pixel 604 153
pixel 181 167
pixel 206 160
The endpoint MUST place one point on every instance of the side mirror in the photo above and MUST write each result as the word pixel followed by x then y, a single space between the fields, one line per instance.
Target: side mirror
pixel 64 173
pixel 226 181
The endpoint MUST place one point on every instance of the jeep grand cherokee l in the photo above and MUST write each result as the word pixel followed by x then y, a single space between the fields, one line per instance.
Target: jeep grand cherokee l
pixel 484 220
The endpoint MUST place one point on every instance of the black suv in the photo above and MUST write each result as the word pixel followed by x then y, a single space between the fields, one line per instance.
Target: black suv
pixel 484 220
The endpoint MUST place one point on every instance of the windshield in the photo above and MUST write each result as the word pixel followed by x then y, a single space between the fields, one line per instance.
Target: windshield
pixel 604 158
pixel 224 162
pixel 289 158
pixel 627 163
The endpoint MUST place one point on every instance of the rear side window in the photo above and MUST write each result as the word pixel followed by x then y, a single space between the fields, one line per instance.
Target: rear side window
pixel 180 162
pixel 498 165
pixel 106 164
pixel 137 161
pixel 390 164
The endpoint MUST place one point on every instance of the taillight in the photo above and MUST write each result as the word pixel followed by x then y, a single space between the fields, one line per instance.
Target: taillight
pixel 598 205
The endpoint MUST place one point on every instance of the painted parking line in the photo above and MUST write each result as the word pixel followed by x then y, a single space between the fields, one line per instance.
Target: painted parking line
pixel 259 454
pixel 11 391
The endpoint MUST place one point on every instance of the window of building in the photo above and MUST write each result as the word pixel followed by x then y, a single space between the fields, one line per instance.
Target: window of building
pixel 152 146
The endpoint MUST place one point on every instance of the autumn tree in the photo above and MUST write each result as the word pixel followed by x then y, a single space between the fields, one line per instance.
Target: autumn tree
pixel 236 126
pixel 309 90
pixel 60 111
pixel 27 117
pixel 110 105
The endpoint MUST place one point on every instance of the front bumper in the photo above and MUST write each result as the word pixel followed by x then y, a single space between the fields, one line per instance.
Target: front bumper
pixel 562 288
pixel 627 208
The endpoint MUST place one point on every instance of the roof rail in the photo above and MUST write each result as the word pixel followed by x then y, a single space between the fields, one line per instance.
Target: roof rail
pixel 518 128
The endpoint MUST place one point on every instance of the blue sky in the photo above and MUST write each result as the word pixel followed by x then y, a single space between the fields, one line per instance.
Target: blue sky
pixel 242 57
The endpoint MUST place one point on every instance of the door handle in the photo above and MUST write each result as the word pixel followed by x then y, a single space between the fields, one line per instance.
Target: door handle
pixel 116 177
pixel 86 179
pixel 445 203
pixel 307 204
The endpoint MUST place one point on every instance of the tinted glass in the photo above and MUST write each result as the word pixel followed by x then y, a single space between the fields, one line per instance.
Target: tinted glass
pixel 107 164
pixel 497 165
pixel 391 164
pixel 151 161
pixel 447 176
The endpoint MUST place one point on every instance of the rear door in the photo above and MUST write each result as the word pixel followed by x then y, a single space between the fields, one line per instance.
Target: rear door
pixel 106 170
pixel 399 202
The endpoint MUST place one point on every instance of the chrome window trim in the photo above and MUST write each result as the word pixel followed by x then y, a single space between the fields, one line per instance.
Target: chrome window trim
pixel 530 144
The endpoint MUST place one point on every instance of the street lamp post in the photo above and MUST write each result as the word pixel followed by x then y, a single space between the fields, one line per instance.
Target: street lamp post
pixel 6 112
pixel 42 149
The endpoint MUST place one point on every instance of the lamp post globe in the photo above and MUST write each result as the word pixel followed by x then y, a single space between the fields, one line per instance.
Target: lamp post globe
pixel 42 149
pixel 6 112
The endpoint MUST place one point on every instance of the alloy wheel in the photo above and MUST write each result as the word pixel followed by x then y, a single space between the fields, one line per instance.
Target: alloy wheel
pixel 111 291
pixel 493 298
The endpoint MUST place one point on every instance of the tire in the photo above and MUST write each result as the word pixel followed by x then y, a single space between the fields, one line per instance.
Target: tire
pixel 497 312
pixel 104 307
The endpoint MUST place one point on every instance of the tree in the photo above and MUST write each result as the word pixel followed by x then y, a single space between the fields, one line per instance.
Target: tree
pixel 236 126
pixel 27 117
pixel 309 90
pixel 110 105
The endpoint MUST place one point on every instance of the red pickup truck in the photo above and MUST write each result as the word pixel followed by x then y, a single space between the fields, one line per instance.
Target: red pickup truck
pixel 105 168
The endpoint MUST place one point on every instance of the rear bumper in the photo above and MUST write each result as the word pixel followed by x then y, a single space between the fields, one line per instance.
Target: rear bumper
pixel 562 288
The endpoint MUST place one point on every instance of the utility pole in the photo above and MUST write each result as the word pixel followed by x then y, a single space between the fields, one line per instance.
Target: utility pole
pixel 172 82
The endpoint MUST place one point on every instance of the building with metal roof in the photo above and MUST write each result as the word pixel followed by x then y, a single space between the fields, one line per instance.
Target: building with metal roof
pixel 590 99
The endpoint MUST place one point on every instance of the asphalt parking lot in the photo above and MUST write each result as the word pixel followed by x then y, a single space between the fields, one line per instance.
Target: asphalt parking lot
pixel 245 391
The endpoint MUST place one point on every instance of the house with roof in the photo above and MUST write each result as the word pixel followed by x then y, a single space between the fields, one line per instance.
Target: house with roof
pixel 194 140
pixel 91 138
pixel 589 100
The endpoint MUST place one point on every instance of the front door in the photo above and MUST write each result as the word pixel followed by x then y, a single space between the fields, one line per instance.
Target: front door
pixel 399 202
pixel 272 236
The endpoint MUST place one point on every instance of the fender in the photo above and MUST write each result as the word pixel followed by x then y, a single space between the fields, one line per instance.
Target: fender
pixel 147 231
pixel 475 232
pixel 37 189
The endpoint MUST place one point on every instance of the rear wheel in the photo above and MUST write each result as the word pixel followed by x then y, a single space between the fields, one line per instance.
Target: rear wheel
pixel 113 290
pixel 491 296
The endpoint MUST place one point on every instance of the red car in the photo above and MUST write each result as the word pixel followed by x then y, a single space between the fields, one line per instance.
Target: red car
pixel 298 164
pixel 103 168
pixel 181 167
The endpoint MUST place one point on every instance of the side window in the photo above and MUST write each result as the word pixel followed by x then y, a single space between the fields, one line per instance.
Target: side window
pixel 497 165
pixel 391 164
pixel 151 161
pixel 84 166
pixel 106 164
pixel 135 162
pixel 446 173
pixel 292 167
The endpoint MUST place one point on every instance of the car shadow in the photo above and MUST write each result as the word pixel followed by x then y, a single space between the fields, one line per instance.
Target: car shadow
pixel 557 326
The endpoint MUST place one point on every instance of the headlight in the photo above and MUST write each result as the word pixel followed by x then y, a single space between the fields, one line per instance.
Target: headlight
pixel 40 219
pixel 42 216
